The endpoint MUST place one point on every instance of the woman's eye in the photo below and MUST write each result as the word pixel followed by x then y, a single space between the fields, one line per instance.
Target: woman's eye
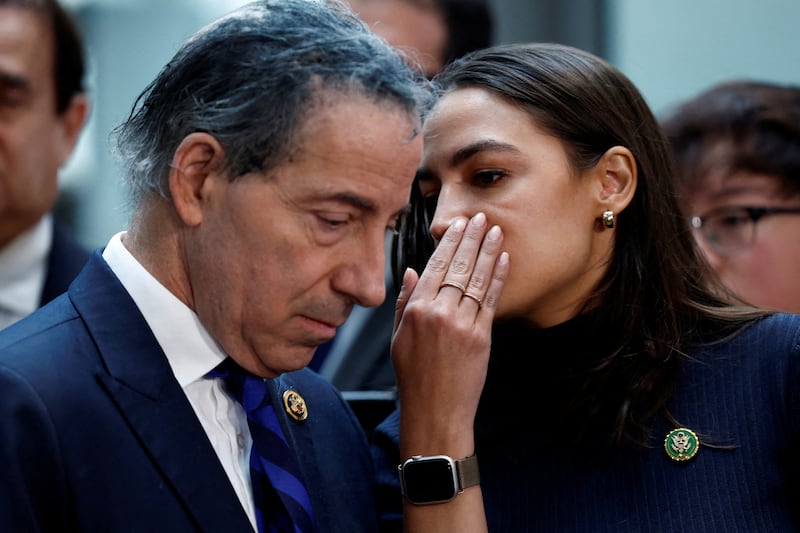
pixel 485 178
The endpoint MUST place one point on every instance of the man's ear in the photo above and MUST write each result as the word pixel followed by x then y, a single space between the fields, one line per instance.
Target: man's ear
pixel 197 157
pixel 72 121
pixel 617 175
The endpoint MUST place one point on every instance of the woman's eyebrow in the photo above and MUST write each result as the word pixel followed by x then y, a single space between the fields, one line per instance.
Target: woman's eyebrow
pixel 468 151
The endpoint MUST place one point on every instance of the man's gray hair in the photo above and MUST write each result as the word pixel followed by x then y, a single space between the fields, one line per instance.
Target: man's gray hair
pixel 250 79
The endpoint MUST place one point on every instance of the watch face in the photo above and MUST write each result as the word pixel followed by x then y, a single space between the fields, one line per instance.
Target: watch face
pixel 429 480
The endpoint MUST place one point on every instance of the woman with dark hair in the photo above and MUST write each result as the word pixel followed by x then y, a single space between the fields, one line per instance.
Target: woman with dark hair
pixel 737 145
pixel 567 361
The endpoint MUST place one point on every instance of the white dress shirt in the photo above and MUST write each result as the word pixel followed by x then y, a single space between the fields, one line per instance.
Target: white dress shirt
pixel 191 353
pixel 23 267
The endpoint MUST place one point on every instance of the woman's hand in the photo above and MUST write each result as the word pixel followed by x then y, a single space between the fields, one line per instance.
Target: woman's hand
pixel 440 351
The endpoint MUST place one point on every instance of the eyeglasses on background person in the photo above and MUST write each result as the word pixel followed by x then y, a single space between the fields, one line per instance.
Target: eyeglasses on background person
pixel 731 229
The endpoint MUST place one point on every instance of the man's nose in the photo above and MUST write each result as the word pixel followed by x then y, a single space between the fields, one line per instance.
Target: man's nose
pixel 364 275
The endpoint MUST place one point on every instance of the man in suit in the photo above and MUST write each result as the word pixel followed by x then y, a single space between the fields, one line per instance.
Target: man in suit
pixel 43 106
pixel 265 164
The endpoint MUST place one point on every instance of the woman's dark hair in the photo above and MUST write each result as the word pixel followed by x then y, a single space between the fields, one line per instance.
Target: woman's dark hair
pixel 738 126
pixel 658 292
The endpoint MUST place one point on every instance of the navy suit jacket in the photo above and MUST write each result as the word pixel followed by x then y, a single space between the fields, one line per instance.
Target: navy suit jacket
pixel 97 434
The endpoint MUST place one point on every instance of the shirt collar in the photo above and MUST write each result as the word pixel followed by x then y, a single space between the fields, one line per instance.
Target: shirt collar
pixel 190 349
pixel 23 267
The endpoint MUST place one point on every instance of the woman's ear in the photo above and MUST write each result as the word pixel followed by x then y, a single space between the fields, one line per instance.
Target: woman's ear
pixel 617 176
pixel 197 158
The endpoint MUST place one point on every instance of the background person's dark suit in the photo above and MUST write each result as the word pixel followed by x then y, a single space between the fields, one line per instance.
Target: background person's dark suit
pixel 98 416
pixel 65 260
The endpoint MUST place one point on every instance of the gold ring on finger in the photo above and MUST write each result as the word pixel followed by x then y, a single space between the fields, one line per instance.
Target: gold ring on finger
pixel 450 283
pixel 473 297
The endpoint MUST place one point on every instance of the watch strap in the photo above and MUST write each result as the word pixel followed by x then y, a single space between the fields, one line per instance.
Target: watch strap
pixel 468 472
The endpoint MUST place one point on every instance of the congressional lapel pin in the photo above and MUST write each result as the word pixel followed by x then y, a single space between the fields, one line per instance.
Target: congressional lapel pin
pixel 681 444
pixel 295 405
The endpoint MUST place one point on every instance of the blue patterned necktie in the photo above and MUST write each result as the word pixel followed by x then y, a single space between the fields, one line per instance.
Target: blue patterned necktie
pixel 281 500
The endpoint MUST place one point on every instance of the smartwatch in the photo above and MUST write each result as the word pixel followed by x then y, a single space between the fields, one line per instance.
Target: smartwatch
pixel 428 479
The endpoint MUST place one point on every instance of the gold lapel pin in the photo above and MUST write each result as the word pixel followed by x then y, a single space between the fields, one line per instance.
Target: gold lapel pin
pixel 295 405
pixel 681 444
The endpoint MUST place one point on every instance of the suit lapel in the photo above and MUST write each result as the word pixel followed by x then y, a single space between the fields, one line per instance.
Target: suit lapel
pixel 300 438
pixel 140 382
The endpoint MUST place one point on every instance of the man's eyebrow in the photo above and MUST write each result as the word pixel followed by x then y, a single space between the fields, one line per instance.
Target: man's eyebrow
pixel 481 146
pixel 351 199
pixel 359 202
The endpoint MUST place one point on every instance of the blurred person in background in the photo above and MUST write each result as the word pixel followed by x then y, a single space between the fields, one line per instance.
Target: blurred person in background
pixel 737 147
pixel 43 106
pixel 433 31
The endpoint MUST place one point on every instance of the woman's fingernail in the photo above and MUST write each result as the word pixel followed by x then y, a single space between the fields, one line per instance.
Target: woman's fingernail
pixel 479 220
pixel 494 233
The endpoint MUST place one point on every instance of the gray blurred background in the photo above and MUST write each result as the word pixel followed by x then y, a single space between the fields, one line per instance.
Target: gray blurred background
pixel 671 49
